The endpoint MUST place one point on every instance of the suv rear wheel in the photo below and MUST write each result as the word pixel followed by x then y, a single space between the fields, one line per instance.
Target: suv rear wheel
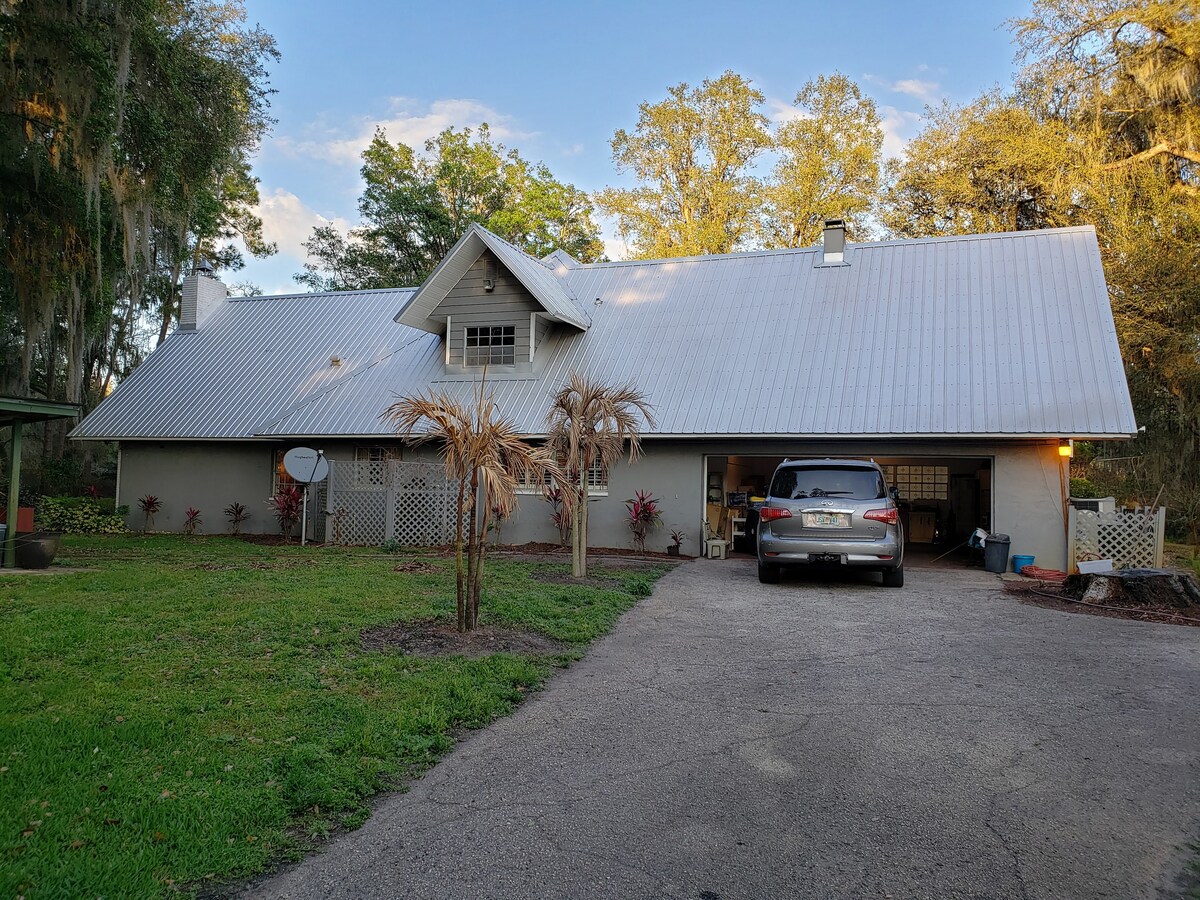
pixel 767 573
pixel 893 577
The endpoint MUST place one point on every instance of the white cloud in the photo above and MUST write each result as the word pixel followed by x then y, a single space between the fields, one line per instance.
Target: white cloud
pixel 899 127
pixel 406 122
pixel 573 150
pixel 288 222
pixel 919 88
pixel 780 111
pixel 925 91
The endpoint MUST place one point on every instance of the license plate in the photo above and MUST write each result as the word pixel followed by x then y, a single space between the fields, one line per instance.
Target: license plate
pixel 824 558
pixel 826 520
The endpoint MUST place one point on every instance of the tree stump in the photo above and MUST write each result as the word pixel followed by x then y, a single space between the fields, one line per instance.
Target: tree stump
pixel 1136 588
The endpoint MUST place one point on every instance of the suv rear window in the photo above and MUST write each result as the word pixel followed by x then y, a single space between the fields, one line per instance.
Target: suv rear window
pixel 848 482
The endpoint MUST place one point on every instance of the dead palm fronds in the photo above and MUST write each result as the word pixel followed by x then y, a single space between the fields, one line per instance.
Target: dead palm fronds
pixel 588 425
pixel 488 457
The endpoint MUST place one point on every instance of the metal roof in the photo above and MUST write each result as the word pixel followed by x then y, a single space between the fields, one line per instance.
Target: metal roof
pixel 251 361
pixel 1005 335
pixel 551 292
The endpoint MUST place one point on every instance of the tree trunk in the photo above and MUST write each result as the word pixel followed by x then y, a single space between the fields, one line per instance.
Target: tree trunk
pixel 583 520
pixel 472 544
pixel 480 553
pixel 460 582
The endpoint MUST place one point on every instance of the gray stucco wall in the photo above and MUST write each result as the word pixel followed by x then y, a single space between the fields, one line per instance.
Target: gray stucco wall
pixel 210 476
pixel 1027 486
pixel 1027 497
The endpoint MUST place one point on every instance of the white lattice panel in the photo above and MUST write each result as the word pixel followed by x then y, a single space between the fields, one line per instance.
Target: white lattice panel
pixel 1130 538
pixel 409 502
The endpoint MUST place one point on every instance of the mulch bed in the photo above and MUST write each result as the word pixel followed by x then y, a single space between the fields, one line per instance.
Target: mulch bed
pixel 1048 596
pixel 437 637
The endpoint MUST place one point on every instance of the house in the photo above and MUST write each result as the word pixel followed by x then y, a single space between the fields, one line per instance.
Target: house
pixel 963 365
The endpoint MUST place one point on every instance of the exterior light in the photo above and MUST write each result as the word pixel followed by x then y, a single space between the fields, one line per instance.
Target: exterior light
pixel 1066 448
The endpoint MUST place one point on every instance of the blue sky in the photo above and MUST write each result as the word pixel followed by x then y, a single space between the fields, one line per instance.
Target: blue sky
pixel 555 80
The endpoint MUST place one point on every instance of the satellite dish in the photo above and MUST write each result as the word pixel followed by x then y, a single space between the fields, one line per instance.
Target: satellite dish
pixel 305 465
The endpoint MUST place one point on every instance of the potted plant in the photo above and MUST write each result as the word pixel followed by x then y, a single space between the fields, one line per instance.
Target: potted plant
pixel 36 549
pixel 677 536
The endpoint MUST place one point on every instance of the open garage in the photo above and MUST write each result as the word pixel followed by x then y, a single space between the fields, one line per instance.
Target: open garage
pixel 943 498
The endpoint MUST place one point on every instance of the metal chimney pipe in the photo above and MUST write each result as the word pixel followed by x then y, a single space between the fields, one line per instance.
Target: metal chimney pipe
pixel 833 241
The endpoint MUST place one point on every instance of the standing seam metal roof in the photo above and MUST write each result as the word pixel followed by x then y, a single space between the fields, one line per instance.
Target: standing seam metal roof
pixel 1000 335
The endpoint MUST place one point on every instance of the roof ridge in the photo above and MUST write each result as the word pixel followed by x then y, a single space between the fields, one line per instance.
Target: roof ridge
pixel 850 245
pixel 301 295
pixel 513 246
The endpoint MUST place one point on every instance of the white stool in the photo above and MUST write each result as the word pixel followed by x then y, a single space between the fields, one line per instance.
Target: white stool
pixel 717 549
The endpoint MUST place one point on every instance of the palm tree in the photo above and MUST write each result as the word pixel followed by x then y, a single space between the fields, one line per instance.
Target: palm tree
pixel 481 451
pixel 588 425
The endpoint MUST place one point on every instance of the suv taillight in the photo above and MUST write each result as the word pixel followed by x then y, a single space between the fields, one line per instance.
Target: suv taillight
pixel 770 514
pixel 888 516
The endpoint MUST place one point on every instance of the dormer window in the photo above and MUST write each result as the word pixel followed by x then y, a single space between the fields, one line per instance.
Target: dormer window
pixel 494 345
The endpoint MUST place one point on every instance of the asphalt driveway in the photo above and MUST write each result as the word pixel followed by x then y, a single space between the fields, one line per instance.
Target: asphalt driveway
pixel 814 740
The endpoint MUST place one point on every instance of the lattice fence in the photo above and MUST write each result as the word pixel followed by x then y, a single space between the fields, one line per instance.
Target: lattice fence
pixel 1131 538
pixel 376 501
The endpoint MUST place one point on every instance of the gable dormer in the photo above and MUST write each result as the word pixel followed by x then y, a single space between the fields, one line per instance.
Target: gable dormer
pixel 491 317
pixel 493 304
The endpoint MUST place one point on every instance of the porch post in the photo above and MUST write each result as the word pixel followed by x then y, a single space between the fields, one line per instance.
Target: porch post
pixel 14 497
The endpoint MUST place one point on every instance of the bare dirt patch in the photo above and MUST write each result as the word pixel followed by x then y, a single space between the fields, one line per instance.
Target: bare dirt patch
pixel 416 567
pixel 437 637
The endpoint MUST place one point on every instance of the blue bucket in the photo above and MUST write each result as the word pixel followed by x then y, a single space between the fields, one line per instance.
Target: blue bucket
pixel 1020 562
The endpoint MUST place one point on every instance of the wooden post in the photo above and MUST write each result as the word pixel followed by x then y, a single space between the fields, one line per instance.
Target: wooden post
pixel 1160 534
pixel 14 497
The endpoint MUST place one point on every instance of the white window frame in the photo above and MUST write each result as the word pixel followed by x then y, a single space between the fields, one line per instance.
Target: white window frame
pixel 597 483
pixel 279 476
pixel 507 347
pixel 377 455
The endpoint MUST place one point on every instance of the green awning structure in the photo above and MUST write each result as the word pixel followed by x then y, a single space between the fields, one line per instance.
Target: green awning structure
pixel 18 412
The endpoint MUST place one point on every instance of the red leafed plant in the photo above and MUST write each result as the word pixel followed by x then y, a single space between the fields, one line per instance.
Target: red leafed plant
pixel 643 515
pixel 558 514
pixel 236 514
pixel 191 520
pixel 286 507
pixel 149 506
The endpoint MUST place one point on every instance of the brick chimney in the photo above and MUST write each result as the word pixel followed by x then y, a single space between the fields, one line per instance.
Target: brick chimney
pixel 202 295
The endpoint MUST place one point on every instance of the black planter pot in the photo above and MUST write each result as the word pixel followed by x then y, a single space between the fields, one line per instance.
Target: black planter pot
pixel 36 549
pixel 672 550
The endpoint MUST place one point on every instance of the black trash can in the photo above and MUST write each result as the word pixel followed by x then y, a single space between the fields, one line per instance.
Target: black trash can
pixel 995 553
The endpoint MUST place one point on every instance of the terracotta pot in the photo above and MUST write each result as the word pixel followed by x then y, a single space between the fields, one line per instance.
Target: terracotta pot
pixel 36 550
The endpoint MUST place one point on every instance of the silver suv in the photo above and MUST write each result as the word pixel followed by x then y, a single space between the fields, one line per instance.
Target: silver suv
pixel 835 512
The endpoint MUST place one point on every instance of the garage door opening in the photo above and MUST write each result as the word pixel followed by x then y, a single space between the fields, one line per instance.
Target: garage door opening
pixel 943 499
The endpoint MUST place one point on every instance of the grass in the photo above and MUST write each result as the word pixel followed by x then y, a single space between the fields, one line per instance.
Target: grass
pixel 192 709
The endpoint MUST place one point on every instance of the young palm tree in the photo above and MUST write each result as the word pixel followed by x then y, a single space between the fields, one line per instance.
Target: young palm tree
pixel 486 455
pixel 588 424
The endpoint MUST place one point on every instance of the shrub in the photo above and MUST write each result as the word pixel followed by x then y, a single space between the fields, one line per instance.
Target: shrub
pixel 286 507
pixel 191 520
pixel 236 514
pixel 79 515
pixel 643 514
pixel 150 506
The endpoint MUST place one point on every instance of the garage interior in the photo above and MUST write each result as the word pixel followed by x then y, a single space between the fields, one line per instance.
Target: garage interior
pixel 942 500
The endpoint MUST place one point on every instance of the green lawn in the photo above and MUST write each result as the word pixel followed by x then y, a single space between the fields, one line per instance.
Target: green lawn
pixel 198 708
